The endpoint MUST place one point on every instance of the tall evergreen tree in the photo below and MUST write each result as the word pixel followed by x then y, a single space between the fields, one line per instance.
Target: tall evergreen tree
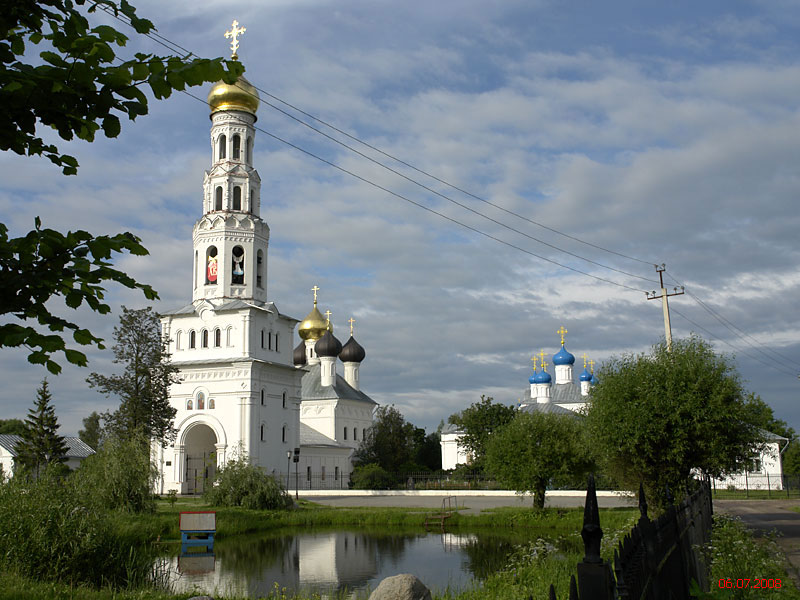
pixel 143 386
pixel 41 445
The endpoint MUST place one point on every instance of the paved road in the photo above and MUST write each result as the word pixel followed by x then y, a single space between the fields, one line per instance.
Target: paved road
pixel 767 515
pixel 473 504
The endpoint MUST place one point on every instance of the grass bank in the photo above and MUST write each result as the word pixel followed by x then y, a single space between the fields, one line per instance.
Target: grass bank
pixel 237 521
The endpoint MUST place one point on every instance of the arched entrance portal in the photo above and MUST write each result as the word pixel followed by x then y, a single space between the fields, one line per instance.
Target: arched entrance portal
pixel 201 458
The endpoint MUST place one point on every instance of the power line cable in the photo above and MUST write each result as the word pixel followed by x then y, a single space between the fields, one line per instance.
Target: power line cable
pixel 736 348
pixel 739 333
pixel 172 46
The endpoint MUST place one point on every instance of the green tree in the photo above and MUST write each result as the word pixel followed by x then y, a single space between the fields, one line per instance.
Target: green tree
pixel 41 446
pixel 240 483
pixel 478 422
pixel 12 426
pixel 75 86
pixel 389 442
pixel 760 413
pixel 533 448
pixel 656 417
pixel 143 386
pixel 92 431
pixel 791 458
pixel 120 476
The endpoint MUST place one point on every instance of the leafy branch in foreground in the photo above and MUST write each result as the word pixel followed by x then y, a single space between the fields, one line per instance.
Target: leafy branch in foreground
pixel 45 263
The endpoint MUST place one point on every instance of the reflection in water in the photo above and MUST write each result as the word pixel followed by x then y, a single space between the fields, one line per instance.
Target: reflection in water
pixel 331 561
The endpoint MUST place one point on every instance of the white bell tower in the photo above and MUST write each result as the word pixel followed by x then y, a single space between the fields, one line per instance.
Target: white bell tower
pixel 230 239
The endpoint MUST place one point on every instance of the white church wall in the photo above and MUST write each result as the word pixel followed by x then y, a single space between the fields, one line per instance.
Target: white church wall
pixel 452 453
pixel 766 472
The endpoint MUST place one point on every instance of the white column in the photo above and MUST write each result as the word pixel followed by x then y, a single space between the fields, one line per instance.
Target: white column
pixel 178 463
pixel 221 458
pixel 246 334
pixel 327 370
pixel 311 356
pixel 245 435
pixel 563 374
pixel 351 374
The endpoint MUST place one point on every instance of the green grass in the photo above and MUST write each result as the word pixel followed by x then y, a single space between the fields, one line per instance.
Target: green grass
pixel 734 554
pixel 721 494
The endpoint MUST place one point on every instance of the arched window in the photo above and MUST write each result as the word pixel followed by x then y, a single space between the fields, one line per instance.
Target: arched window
pixel 262 397
pixel 308 473
pixel 229 337
pixel 237 143
pixel 262 339
pixel 276 342
pixel 217 338
pixel 249 150
pixel 201 401
pixel 212 265
pixel 189 404
pixel 237 274
pixel 192 340
pixel 237 197
pixel 336 473
pixel 250 208
pixel 205 338
pixel 364 434
pixel 221 147
pixel 194 278
pixel 323 472
pixel 260 269
pixel 262 432
pixel 269 340
pixel 345 433
pixel 355 434
pixel 178 340
pixel 284 399
pixel 218 198
pixel 211 404
pixel 283 434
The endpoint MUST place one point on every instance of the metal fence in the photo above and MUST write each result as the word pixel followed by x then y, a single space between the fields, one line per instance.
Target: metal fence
pixel 657 560
pixel 757 485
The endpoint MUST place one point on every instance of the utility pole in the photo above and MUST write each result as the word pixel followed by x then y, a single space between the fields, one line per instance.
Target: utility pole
pixel 664 295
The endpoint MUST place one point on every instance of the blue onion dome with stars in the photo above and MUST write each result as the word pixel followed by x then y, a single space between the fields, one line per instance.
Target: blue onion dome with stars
pixel 563 357
pixel 542 377
pixel 532 378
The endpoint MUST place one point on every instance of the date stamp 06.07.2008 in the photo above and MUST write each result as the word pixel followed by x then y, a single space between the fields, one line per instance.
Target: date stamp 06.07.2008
pixel 754 583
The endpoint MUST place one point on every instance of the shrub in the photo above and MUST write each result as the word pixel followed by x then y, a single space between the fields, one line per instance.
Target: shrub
pixel 120 476
pixel 241 484
pixel 371 477
pixel 47 532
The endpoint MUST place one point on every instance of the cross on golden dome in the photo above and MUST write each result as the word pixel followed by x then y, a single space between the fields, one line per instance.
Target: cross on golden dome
pixel 328 315
pixel 315 289
pixel 562 331
pixel 234 32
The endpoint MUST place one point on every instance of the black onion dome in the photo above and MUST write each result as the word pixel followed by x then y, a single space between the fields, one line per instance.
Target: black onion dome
pixel 299 354
pixel 352 351
pixel 328 345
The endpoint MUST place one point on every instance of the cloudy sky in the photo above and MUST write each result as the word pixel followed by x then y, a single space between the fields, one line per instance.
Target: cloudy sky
pixel 621 134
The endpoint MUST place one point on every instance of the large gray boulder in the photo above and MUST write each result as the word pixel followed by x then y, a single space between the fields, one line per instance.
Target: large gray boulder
pixel 401 587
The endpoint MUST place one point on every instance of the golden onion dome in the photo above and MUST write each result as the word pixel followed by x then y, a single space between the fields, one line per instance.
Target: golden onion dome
pixel 238 96
pixel 314 325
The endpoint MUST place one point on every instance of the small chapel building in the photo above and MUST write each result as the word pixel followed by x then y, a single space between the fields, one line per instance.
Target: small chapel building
pixel 542 395
pixel 241 390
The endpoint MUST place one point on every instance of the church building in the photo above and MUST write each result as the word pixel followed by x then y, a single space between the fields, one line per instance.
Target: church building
pixel 242 390
pixel 542 395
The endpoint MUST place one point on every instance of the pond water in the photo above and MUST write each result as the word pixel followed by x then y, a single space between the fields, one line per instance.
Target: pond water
pixel 329 562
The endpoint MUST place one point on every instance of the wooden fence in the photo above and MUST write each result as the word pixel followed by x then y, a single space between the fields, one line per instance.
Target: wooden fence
pixel 657 560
